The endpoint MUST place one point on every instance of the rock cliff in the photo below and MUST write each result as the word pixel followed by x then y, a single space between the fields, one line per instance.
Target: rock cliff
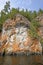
pixel 16 39
pixel 40 19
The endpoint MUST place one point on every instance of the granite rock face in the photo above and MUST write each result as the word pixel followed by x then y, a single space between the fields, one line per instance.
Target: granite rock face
pixel 16 39
pixel 40 19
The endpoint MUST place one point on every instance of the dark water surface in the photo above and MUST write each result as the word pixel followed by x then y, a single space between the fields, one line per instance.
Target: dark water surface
pixel 21 60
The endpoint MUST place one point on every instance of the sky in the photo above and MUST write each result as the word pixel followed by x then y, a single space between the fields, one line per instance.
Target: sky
pixel 23 4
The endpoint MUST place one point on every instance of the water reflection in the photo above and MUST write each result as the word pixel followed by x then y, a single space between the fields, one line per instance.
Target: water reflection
pixel 21 60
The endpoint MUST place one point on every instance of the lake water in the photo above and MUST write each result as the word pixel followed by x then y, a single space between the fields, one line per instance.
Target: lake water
pixel 21 60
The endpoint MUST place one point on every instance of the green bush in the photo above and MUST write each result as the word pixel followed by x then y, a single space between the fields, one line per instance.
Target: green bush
pixel 33 29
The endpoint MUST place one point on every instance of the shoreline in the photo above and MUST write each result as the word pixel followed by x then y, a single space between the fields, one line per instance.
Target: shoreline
pixel 20 54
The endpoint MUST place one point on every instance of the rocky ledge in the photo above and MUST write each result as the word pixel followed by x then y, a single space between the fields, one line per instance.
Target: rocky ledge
pixel 15 38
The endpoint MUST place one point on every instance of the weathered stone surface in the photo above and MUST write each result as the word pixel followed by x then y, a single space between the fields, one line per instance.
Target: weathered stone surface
pixel 40 19
pixel 16 39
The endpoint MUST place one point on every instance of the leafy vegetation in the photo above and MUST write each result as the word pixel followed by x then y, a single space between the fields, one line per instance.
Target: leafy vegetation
pixel 34 28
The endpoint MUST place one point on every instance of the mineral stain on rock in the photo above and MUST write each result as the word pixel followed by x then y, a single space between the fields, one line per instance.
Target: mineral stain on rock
pixel 16 39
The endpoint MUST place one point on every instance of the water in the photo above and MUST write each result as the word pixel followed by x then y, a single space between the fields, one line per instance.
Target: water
pixel 21 60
